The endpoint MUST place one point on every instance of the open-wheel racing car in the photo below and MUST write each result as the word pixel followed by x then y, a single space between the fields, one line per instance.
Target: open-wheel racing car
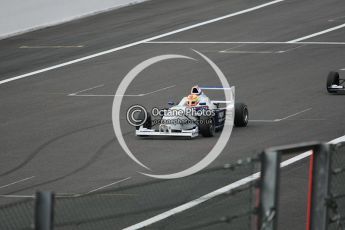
pixel 194 114
pixel 334 83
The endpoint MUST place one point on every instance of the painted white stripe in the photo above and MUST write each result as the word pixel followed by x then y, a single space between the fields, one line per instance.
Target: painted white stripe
pixel 84 90
pixel 194 203
pixel 268 121
pixel 140 42
pixel 49 47
pixel 336 19
pixel 67 195
pixel 215 88
pixel 288 50
pixel 17 196
pixel 155 91
pixel 108 185
pixel 338 140
pixel 231 50
pixel 112 95
pixel 64 194
pixel 220 42
pixel 16 182
pixel 93 95
pixel 284 118
pixel 293 115
pixel 248 52
pixel 317 34
pixel 218 192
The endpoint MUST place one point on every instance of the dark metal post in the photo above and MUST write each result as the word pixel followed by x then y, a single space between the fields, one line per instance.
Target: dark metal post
pixel 270 176
pixel 320 186
pixel 268 207
pixel 44 211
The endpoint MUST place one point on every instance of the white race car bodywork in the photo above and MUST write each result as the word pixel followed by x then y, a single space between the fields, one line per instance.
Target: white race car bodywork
pixel 187 125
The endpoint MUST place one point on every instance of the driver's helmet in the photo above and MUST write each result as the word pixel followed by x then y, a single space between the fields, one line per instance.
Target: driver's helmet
pixel 196 90
pixel 193 100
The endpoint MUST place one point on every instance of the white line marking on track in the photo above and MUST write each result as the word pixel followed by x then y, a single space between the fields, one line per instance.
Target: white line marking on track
pixel 108 185
pixel 92 95
pixel 67 194
pixel 152 92
pixel 317 34
pixel 17 196
pixel 194 203
pixel 112 95
pixel 295 114
pixel 218 192
pixel 231 50
pixel 239 42
pixel 341 18
pixel 237 46
pixel 84 90
pixel 288 50
pixel 284 118
pixel 248 52
pixel 49 47
pixel 141 41
pixel 16 182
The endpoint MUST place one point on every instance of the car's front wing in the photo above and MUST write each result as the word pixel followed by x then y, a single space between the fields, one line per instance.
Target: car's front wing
pixel 167 132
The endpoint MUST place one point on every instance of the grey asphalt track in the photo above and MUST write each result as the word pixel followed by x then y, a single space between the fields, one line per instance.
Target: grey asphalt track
pixel 67 143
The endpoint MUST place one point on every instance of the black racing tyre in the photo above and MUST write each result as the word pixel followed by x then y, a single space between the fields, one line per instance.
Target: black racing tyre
pixel 241 115
pixel 148 123
pixel 206 126
pixel 332 79
pixel 219 128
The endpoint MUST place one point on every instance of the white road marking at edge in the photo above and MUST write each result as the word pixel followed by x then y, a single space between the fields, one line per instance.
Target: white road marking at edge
pixel 284 118
pixel 112 95
pixel 220 42
pixel 16 182
pixel 219 191
pixel 317 34
pixel 336 19
pixel 248 52
pixel 64 195
pixel 17 196
pixel 84 90
pixel 231 50
pixel 49 47
pixel 92 95
pixel 294 48
pixel 141 41
pixel 108 185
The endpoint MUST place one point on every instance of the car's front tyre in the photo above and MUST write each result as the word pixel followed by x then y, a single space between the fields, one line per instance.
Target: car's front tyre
pixel 206 126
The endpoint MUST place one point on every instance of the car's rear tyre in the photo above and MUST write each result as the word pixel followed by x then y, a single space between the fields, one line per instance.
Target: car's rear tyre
pixel 332 79
pixel 219 129
pixel 206 126
pixel 141 116
pixel 241 115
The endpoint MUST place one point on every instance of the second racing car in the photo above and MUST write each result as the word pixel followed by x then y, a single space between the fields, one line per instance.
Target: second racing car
pixel 334 83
